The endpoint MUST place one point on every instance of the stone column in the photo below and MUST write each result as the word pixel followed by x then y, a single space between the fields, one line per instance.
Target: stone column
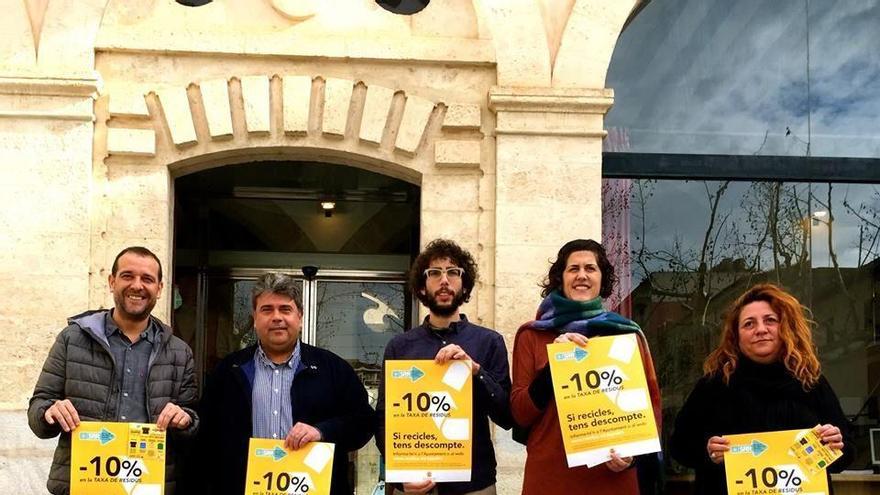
pixel 46 133
pixel 548 187
pixel 45 137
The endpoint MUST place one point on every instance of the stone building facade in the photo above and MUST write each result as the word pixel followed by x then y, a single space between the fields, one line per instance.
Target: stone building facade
pixel 493 108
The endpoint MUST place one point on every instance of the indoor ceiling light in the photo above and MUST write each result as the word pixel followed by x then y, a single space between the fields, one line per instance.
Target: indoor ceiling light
pixel 328 207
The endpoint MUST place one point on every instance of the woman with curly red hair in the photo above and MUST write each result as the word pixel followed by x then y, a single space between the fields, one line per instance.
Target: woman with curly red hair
pixel 763 376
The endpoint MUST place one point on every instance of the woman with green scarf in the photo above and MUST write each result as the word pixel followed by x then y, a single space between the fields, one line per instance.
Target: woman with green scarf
pixel 570 312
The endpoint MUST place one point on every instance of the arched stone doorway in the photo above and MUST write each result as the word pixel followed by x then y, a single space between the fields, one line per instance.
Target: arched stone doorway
pixel 149 139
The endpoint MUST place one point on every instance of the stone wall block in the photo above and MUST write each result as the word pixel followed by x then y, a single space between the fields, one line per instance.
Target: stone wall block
pixel 461 117
pixel 178 115
pixel 448 192
pixel 255 93
pixel 140 182
pixel 524 297
pixel 50 214
pixel 138 219
pixel 416 114
pixel 518 260
pixel 458 153
pixel 462 226
pixel 131 142
pixel 128 104
pixel 297 95
pixel 215 97
pixel 337 99
pixel 573 187
pixel 49 253
pixel 376 109
pixel 574 215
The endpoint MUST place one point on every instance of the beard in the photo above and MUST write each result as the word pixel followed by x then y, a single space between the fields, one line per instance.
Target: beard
pixel 131 310
pixel 444 310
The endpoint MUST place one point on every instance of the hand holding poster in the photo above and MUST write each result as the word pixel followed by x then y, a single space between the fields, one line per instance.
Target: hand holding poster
pixel 602 400
pixel 274 470
pixel 428 413
pixel 117 459
pixel 777 462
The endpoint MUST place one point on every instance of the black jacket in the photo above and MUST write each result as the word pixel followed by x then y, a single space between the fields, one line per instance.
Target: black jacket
pixel 326 393
pixel 758 398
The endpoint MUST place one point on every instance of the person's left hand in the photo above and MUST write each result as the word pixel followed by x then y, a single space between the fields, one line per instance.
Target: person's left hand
pixel 453 351
pixel 617 463
pixel 831 436
pixel 300 434
pixel 173 416
pixel 716 447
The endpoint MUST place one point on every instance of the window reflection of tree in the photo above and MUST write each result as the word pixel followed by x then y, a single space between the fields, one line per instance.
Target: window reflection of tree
pixel 868 216
pixel 752 232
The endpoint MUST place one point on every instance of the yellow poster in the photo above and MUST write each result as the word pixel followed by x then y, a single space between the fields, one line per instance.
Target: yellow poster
pixel 777 462
pixel 602 400
pixel 274 470
pixel 117 459
pixel 428 421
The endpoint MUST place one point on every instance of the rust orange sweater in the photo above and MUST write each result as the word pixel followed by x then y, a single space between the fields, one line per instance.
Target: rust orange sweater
pixel 547 472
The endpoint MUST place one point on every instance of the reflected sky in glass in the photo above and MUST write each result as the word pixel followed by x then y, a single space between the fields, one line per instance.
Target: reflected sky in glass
pixel 722 77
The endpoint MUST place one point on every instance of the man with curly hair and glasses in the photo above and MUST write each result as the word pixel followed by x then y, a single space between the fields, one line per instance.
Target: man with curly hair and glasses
pixel 442 277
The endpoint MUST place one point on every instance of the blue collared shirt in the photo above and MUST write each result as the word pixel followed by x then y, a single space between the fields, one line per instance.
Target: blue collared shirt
pixel 272 415
pixel 132 366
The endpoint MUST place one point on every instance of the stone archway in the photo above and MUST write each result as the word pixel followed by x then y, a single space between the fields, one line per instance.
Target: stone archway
pixel 145 140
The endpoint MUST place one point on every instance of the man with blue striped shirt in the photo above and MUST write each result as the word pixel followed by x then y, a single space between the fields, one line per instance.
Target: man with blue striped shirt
pixel 273 379
pixel 280 388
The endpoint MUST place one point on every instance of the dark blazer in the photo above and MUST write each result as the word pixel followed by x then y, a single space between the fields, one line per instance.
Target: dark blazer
pixel 326 393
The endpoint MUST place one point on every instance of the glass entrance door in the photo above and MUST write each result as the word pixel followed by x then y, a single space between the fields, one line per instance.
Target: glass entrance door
pixel 355 317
